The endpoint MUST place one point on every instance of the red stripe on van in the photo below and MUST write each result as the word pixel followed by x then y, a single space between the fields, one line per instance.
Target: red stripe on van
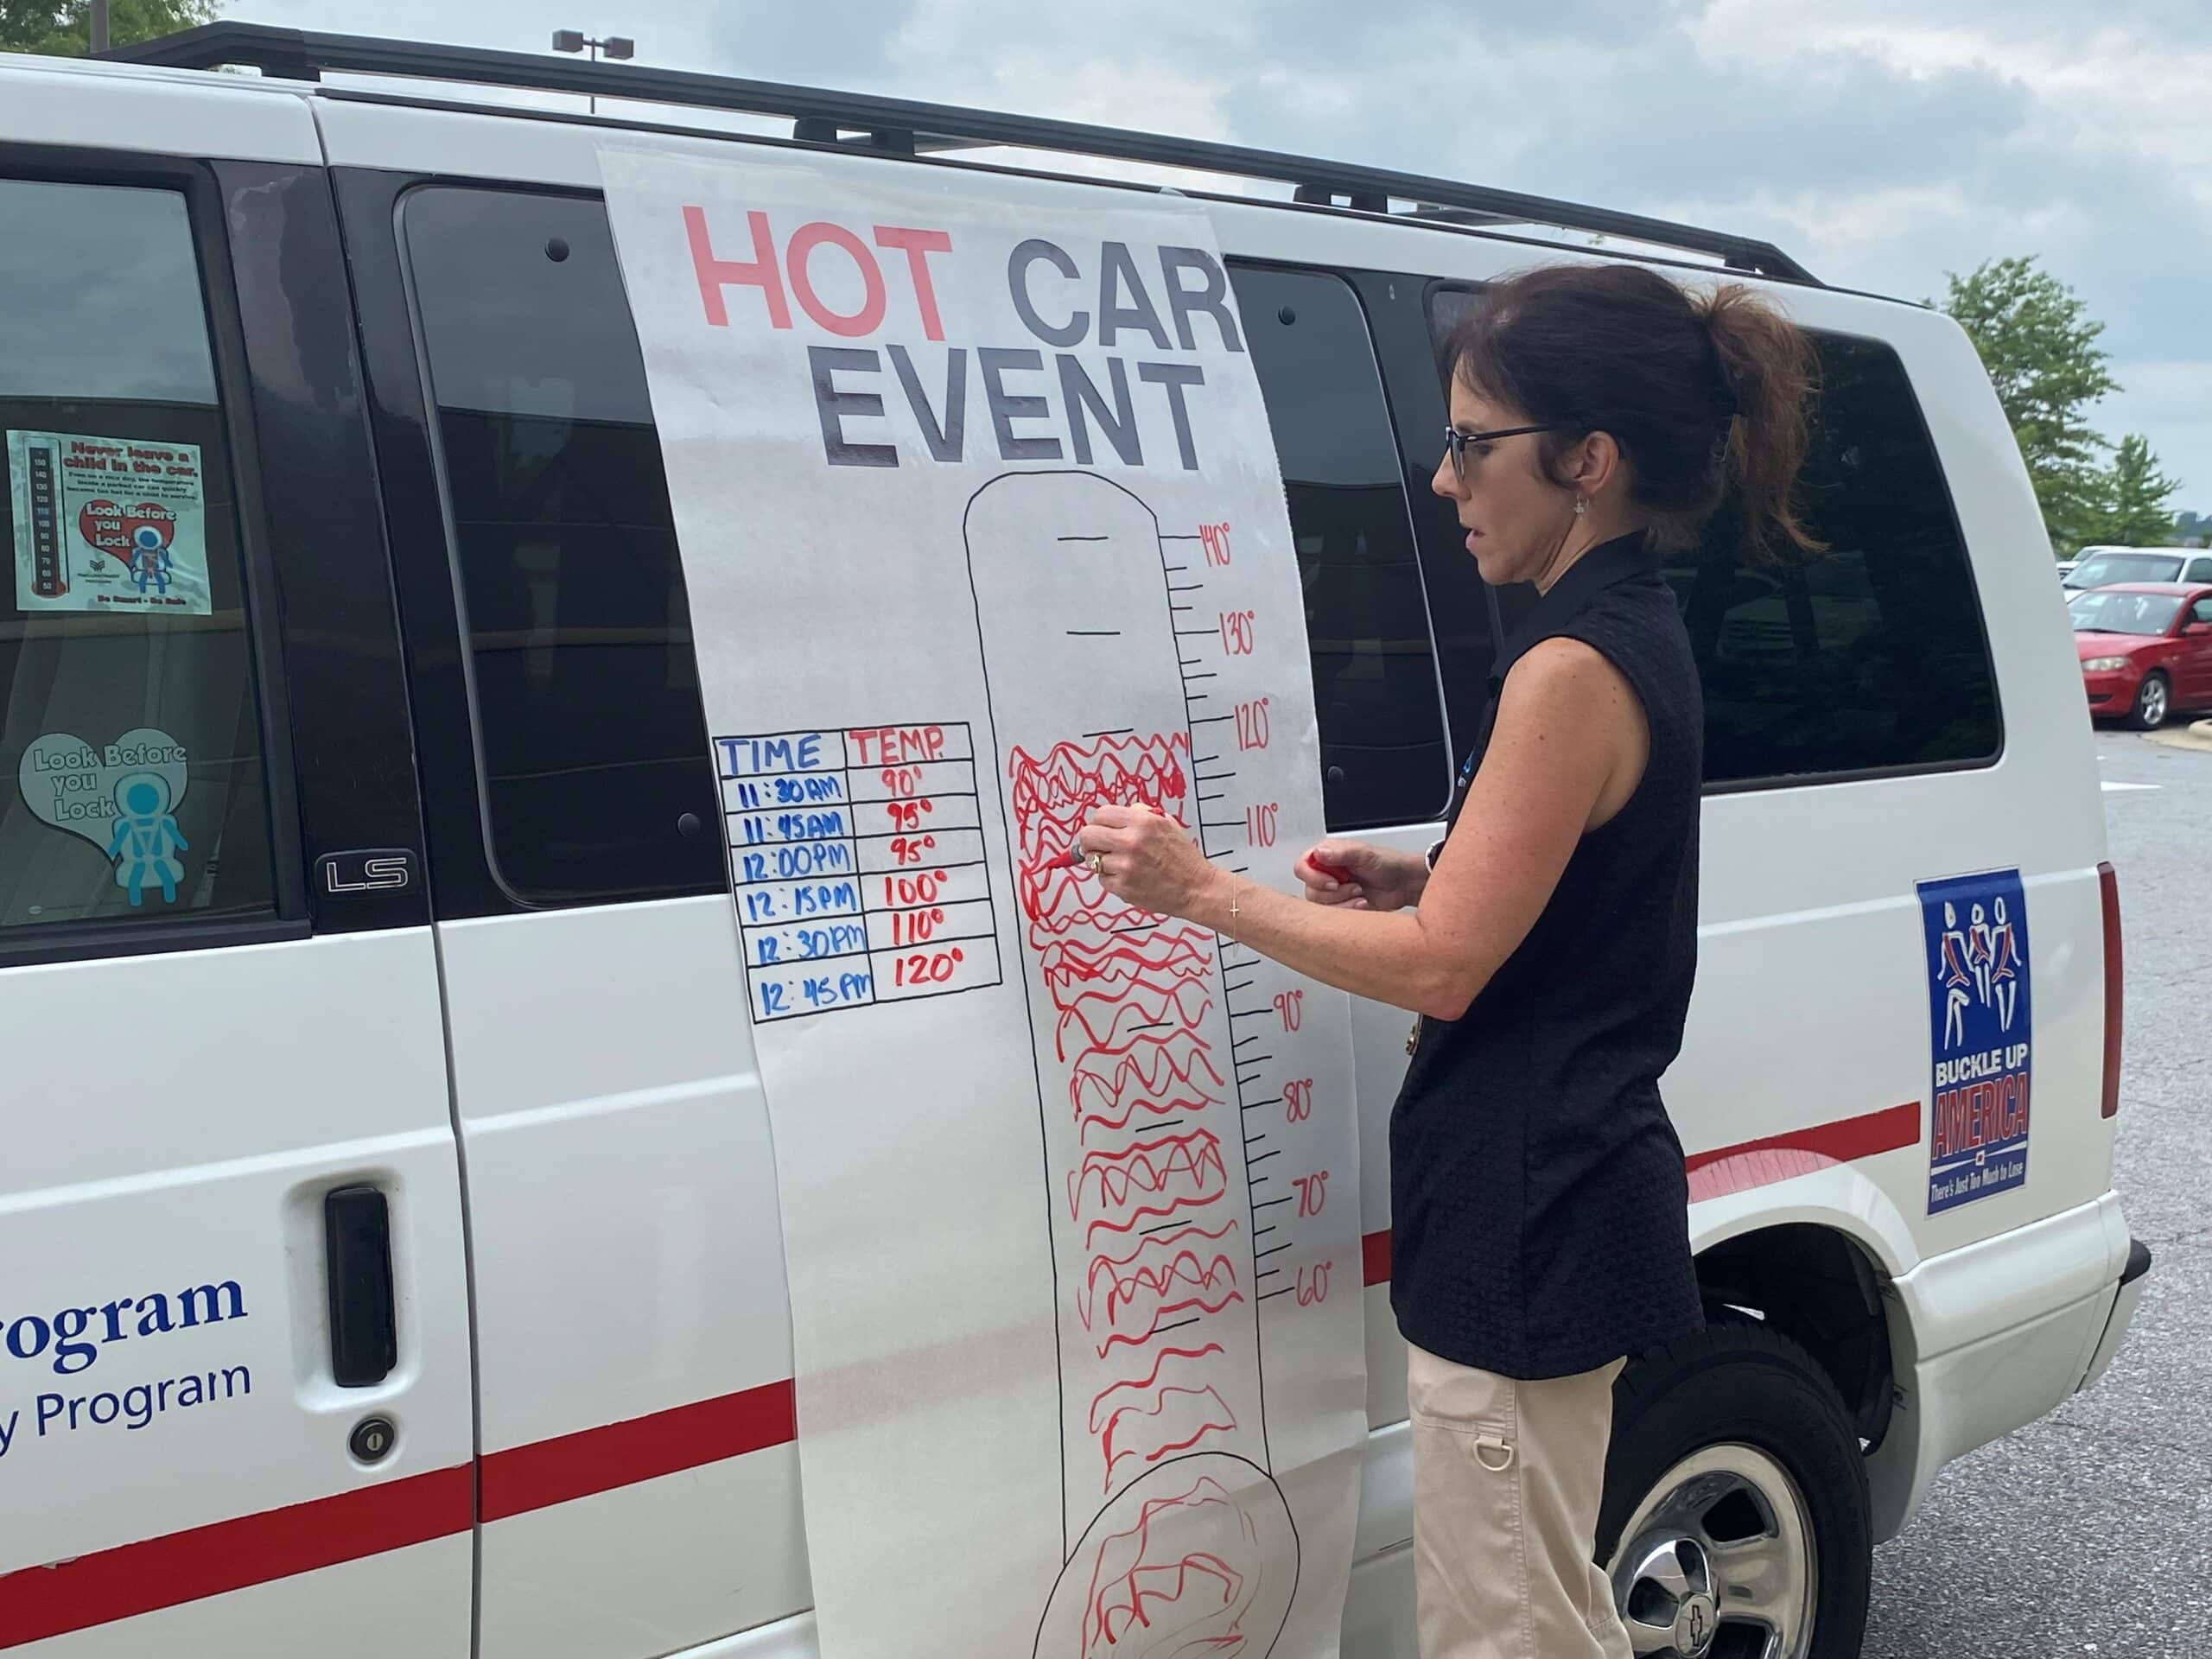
pixel 1374 1257
pixel 1761 1163
pixel 177 1568
pixel 181 1567
pixel 571 1466
pixel 1755 1163
pixel 39 1602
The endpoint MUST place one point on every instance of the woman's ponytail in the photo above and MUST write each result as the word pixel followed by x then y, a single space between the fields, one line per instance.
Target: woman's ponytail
pixel 1707 393
pixel 1769 366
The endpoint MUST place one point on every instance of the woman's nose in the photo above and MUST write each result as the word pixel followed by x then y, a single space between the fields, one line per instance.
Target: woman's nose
pixel 1443 481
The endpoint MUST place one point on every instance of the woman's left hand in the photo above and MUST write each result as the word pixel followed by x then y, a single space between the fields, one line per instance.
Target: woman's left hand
pixel 1146 859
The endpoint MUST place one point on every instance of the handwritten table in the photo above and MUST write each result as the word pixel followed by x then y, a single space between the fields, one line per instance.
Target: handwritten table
pixel 858 865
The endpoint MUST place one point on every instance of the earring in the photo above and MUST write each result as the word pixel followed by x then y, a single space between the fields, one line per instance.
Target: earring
pixel 1581 505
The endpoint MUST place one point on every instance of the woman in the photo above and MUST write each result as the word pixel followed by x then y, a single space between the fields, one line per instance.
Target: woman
pixel 1539 1205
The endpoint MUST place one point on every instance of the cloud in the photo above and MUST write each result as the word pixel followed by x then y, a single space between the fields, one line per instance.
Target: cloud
pixel 1880 142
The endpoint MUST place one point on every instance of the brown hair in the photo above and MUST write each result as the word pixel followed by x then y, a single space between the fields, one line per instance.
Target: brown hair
pixel 1704 392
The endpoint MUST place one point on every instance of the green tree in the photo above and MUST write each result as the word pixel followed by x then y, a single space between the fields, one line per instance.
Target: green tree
pixel 2134 510
pixel 2040 346
pixel 62 29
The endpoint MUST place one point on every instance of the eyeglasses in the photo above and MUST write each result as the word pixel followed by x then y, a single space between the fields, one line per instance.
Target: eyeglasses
pixel 1456 442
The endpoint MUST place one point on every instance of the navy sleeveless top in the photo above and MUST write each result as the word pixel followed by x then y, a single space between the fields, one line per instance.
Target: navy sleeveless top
pixel 1539 1205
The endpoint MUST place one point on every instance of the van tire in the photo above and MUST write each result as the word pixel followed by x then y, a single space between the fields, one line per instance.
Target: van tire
pixel 1715 1438
pixel 2153 702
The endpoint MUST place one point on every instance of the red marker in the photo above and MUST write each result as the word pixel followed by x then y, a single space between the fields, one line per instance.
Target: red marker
pixel 1334 871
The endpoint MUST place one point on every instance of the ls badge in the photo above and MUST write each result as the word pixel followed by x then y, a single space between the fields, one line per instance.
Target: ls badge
pixel 369 870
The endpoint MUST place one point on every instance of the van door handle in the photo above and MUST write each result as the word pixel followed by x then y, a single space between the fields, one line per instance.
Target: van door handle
pixel 364 1329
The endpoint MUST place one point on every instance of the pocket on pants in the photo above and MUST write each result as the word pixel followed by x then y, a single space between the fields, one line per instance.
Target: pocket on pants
pixel 1470 1558
pixel 1456 1398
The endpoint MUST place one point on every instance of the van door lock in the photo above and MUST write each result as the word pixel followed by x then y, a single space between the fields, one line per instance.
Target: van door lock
pixel 372 1439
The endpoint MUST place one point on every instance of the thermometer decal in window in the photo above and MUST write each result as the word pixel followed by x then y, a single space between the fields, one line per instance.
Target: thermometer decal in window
pixel 49 565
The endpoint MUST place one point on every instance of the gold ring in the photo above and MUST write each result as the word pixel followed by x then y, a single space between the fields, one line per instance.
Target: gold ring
pixel 1098 863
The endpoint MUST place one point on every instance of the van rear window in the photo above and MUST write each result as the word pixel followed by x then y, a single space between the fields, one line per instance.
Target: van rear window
pixel 1871 657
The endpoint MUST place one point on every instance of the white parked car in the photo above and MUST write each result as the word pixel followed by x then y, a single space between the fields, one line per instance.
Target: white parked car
pixel 392 1253
pixel 2100 567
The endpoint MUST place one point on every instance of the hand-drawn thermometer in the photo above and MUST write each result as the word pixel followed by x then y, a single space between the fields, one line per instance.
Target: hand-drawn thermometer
pixel 1151 1224
pixel 1172 1520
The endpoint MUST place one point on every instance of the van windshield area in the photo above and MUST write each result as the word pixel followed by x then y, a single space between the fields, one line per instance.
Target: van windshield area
pixel 2114 612
pixel 2103 569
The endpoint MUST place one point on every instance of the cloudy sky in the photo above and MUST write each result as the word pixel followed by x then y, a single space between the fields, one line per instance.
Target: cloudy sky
pixel 1880 142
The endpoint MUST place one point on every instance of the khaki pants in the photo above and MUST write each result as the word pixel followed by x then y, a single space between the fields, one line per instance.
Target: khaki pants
pixel 1508 1477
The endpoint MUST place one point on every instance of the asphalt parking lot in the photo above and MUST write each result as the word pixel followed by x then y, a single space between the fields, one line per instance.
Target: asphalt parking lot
pixel 2091 1531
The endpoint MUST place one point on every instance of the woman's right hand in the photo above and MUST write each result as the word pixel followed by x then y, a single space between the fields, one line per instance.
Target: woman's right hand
pixel 1364 877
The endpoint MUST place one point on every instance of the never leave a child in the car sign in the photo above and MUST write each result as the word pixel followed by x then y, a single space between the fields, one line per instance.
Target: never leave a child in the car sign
pixel 107 523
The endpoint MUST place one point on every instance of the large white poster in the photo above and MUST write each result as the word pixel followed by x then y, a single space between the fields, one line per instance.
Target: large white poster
pixel 981 527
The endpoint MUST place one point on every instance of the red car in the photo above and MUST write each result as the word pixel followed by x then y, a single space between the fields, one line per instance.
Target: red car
pixel 2145 649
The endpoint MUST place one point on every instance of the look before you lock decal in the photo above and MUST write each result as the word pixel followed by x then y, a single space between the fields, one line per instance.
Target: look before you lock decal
pixel 123 798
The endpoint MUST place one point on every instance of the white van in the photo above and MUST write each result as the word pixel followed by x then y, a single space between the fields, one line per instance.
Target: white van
pixel 390 1252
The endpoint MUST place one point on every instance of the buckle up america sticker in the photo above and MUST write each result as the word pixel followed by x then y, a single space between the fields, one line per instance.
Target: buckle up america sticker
pixel 1980 1024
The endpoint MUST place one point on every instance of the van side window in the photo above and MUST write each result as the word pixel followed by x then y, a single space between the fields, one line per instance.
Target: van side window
pixel 132 785
pixel 1383 756
pixel 1871 657
pixel 2199 570
pixel 591 739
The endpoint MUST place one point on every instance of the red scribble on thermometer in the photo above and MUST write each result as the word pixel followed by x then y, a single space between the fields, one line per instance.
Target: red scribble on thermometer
pixel 1161 1177
pixel 1053 798
pixel 1132 992
pixel 1094 1110
pixel 1070 899
pixel 1142 1582
pixel 1158 960
pixel 1115 1016
pixel 1074 777
pixel 1111 1397
pixel 1182 1271
pixel 1175 1067
pixel 1169 1411
pixel 1201 1411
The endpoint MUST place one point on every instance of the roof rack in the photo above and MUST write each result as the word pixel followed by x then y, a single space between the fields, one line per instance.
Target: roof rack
pixel 901 126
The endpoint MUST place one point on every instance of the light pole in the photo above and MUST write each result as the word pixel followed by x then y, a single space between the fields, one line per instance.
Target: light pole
pixel 615 45
pixel 96 30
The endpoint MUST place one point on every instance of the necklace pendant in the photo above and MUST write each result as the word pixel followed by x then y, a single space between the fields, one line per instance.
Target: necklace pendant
pixel 1413 1036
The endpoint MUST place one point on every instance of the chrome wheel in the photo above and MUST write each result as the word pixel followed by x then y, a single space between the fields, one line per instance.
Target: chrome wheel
pixel 1718 1561
pixel 2151 703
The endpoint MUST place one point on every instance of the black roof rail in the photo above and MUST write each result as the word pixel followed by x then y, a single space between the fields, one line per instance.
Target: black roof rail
pixel 901 126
